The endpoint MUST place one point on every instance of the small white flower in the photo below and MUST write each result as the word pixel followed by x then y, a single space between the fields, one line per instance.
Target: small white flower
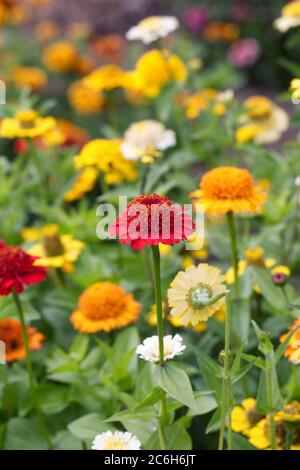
pixel 152 28
pixel 284 23
pixel 149 349
pixel 146 139
pixel 116 441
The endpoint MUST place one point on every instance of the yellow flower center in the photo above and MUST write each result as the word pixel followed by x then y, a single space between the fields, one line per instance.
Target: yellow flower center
pixel 53 246
pixel 114 443
pixel 150 24
pixel 27 118
pixel 254 257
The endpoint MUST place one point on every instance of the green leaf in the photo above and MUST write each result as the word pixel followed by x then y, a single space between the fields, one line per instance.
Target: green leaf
pixel 263 405
pixel 23 434
pixel 210 370
pixel 176 436
pixel 65 441
pixel 241 443
pixel 240 314
pixel 52 398
pixel 273 295
pixel 204 404
pixel 124 416
pixel 175 382
pixel 79 347
pixel 151 399
pixel 88 426
pixel 257 361
pixel 214 423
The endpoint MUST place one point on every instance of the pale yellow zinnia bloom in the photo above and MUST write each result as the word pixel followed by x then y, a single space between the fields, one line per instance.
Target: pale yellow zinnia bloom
pixel 196 294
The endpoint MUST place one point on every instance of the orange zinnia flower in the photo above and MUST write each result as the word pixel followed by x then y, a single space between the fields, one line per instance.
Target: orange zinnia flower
pixel 292 352
pixel 229 189
pixel 11 335
pixel 104 306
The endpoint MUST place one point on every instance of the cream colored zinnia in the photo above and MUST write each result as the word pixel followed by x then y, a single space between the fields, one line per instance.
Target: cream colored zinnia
pixel 152 28
pixel 290 17
pixel 116 441
pixel 196 294
pixel 263 122
pixel 146 139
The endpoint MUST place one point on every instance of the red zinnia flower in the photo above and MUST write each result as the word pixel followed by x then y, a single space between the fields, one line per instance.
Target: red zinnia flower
pixel 17 269
pixel 150 220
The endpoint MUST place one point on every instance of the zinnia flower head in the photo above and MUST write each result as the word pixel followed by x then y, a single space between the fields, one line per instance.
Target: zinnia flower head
pixel 149 349
pixel 31 77
pixel 244 53
pixel 245 416
pixel 146 140
pixel 84 99
pixel 292 352
pixel 18 269
pixel 60 56
pixel 196 294
pixel 26 124
pixel 290 17
pixel 290 412
pixel 229 189
pixel 150 220
pixel 263 122
pixel 116 441
pixel 104 306
pixel 53 249
pixel 152 28
pixel 196 17
pixel 11 335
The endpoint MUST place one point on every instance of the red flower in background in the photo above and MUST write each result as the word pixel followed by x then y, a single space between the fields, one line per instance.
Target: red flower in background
pixel 17 269
pixel 150 220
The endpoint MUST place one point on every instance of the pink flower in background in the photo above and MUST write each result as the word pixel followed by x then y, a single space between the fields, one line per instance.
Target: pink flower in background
pixel 196 18
pixel 244 53
pixel 241 11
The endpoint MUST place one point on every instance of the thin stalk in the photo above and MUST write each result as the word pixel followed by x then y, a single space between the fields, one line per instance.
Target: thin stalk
pixel 270 404
pixel 158 301
pixel 160 333
pixel 234 251
pixel 29 369
pixel 226 388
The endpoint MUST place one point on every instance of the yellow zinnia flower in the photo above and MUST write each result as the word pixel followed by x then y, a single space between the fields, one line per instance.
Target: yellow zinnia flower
pixel 259 435
pixel 290 413
pixel 197 293
pixel 107 77
pixel 31 77
pixel 26 124
pixel 105 154
pixel 54 249
pixel 290 17
pixel 84 99
pixel 167 67
pixel 104 306
pixel 245 416
pixel 229 189
pixel 83 184
pixel 60 56
pixel 263 121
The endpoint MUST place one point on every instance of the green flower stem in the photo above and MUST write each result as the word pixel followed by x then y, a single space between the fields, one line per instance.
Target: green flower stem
pixel 226 388
pixel 158 300
pixel 270 404
pixel 30 371
pixel 160 333
pixel 234 251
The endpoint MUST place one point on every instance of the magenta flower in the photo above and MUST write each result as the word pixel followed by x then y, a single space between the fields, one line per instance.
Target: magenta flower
pixel 196 18
pixel 243 54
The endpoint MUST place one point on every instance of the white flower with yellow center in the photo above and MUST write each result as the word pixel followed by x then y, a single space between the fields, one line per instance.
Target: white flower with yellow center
pixel 152 28
pixel 197 293
pixel 290 17
pixel 149 349
pixel 145 140
pixel 116 441
pixel 264 122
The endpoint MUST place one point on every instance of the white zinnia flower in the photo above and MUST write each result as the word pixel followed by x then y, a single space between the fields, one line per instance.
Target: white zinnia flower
pixel 152 28
pixel 116 441
pixel 146 139
pixel 149 349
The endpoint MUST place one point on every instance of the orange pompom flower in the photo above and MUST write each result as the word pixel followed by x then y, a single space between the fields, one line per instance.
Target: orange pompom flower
pixel 229 189
pixel 104 306
pixel 11 335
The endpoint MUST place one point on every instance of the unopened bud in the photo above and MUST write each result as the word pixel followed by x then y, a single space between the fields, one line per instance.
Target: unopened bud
pixel 279 279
